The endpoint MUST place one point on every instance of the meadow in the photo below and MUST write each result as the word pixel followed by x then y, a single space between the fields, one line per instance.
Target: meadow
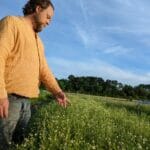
pixel 90 123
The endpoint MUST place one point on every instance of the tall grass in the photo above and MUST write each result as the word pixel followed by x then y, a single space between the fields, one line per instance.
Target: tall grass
pixel 89 123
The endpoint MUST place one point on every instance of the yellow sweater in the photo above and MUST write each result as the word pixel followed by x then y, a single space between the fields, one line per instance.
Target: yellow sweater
pixel 23 64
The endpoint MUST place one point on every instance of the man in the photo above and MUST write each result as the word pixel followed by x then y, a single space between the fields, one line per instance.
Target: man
pixel 23 67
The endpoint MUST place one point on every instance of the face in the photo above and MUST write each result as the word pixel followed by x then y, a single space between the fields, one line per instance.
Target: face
pixel 42 18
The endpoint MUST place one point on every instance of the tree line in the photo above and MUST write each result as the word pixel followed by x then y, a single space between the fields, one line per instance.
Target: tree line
pixel 99 86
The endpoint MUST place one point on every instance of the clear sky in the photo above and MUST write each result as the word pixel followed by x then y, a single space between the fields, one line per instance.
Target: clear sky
pixel 102 38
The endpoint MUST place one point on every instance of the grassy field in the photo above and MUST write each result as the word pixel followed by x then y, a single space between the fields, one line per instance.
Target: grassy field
pixel 90 123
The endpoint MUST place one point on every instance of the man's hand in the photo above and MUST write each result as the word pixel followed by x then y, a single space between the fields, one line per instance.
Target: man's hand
pixel 62 99
pixel 4 105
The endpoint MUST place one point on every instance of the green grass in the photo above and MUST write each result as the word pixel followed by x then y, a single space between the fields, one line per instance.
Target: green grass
pixel 91 122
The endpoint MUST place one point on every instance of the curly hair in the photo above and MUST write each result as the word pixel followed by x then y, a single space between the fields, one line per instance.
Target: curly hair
pixel 30 6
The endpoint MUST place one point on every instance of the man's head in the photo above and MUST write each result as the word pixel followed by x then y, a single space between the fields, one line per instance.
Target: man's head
pixel 41 11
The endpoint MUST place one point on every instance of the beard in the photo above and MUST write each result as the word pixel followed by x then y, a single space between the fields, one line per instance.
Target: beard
pixel 38 25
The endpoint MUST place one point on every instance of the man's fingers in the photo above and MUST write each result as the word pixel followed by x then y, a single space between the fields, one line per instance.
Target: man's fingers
pixel 60 102
pixel 1 112
pixel 4 109
pixel 65 104
pixel 68 102
pixel 5 112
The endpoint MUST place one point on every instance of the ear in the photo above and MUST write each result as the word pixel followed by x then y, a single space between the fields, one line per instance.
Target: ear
pixel 38 9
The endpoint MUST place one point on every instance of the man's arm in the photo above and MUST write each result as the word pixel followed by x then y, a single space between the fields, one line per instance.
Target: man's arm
pixel 6 44
pixel 47 77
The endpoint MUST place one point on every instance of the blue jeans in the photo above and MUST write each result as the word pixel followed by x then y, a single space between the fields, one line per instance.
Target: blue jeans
pixel 12 129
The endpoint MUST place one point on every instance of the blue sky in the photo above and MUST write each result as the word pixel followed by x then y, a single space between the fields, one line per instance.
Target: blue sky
pixel 102 38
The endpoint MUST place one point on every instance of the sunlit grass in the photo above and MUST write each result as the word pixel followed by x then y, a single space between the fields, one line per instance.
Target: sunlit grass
pixel 89 123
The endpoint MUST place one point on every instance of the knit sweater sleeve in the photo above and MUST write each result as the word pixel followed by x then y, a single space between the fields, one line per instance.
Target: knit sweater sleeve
pixel 47 77
pixel 6 45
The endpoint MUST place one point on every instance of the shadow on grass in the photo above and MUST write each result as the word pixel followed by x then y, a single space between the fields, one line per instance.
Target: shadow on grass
pixel 40 102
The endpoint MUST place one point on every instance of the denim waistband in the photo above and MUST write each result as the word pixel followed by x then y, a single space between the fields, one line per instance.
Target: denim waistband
pixel 18 96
